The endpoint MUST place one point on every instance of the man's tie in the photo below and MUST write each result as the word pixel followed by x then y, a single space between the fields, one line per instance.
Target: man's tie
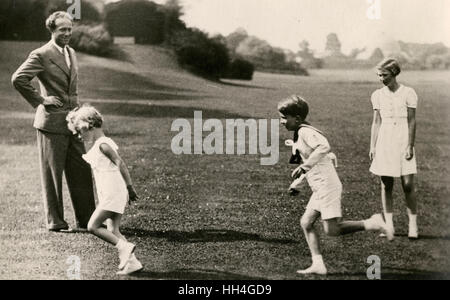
pixel 66 56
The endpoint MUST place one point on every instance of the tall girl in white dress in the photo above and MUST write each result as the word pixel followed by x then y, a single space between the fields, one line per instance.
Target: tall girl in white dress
pixel 112 180
pixel 392 141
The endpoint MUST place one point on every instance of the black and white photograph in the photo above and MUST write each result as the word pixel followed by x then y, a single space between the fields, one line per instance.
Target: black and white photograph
pixel 203 141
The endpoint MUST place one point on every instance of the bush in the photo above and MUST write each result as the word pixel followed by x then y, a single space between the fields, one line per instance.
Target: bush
pixel 92 39
pixel 202 55
pixel 240 69
pixel 89 14
pixel 25 19
pixel 139 18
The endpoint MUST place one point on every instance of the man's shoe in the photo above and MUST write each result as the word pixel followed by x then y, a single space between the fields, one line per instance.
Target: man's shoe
pixel 70 230
pixel 59 229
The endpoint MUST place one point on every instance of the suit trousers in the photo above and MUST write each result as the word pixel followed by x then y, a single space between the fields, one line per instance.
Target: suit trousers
pixel 60 153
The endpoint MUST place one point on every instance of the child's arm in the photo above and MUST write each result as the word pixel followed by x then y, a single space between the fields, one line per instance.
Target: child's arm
pixel 374 132
pixel 411 133
pixel 117 160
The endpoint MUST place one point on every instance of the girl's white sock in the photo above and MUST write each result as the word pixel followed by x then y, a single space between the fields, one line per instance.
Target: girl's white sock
pixel 412 220
pixel 120 244
pixel 389 219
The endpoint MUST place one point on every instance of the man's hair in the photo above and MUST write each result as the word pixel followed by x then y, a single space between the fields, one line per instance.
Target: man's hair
pixel 390 65
pixel 85 116
pixel 50 23
pixel 294 106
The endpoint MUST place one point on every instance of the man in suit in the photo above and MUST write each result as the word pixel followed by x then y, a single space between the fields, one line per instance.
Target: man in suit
pixel 55 66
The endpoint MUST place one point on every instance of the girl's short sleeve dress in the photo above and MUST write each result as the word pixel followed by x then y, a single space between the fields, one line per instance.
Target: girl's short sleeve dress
pixel 392 140
pixel 111 187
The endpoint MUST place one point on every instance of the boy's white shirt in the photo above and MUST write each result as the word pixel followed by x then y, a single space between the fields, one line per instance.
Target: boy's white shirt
pixel 313 147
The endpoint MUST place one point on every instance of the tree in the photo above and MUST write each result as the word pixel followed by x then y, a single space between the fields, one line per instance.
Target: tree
pixel 377 55
pixel 308 60
pixel 25 19
pixel 200 54
pixel 333 45
pixel 355 52
pixel 139 18
pixel 235 38
pixel 89 13
pixel 173 12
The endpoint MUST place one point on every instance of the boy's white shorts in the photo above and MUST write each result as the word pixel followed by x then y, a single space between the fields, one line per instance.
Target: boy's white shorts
pixel 327 201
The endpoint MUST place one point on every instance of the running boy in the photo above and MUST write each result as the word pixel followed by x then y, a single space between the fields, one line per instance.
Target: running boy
pixel 318 169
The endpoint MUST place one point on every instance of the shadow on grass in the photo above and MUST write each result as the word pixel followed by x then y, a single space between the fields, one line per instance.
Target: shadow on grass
pixel 205 236
pixel 427 237
pixel 187 274
pixel 244 85
pixel 19 129
pixel 143 94
pixel 93 77
pixel 163 111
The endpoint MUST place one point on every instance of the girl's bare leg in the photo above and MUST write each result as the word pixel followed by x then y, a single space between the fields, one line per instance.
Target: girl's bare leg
pixel 95 226
pixel 387 185
pixel 411 204
pixel 115 225
pixel 410 193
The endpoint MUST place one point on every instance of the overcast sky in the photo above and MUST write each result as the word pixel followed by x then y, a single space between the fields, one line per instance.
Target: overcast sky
pixel 284 23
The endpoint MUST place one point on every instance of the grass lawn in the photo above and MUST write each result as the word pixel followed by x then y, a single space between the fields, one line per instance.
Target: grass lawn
pixel 223 216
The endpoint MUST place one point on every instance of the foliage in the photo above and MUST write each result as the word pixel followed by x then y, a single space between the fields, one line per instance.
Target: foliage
pixel 240 69
pixel 261 54
pixel 141 19
pixel 201 54
pixel 94 40
pixel 25 19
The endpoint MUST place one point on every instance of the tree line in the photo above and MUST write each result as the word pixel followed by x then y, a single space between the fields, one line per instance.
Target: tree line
pixel 149 23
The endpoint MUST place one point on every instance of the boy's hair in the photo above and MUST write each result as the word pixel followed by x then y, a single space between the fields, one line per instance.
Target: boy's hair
pixel 294 106
pixel 85 116
pixel 50 23
pixel 391 65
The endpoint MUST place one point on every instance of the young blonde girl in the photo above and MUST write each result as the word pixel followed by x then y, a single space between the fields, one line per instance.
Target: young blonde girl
pixel 113 183
pixel 392 141
pixel 316 165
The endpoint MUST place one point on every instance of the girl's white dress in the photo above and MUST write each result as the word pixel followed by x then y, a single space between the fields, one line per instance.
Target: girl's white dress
pixel 392 140
pixel 111 188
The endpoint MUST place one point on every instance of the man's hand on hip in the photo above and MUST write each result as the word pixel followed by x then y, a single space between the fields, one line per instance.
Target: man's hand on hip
pixel 52 100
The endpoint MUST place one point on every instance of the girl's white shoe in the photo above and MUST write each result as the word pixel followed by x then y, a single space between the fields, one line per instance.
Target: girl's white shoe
pixel 133 265
pixel 413 232
pixel 125 252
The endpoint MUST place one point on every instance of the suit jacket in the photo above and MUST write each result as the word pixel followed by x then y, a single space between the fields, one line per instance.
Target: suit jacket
pixel 55 79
